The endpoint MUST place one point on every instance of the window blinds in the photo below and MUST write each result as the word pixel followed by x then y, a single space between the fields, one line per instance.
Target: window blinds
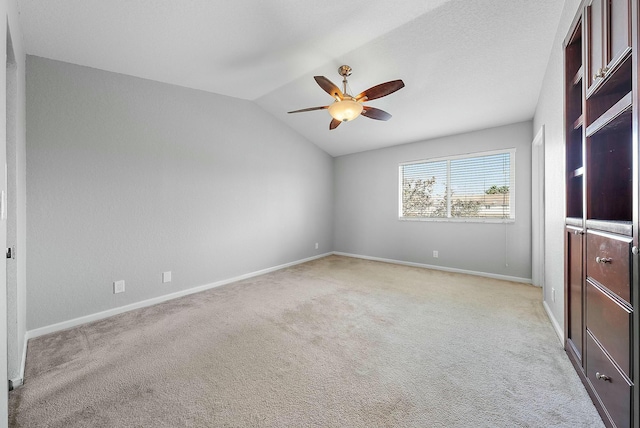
pixel 471 186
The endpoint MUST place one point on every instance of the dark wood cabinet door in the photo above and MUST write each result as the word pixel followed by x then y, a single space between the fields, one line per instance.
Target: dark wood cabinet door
pixel 595 36
pixel 618 29
pixel 575 329
pixel 608 37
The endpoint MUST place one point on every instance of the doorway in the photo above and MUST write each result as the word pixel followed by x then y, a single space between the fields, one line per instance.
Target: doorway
pixel 537 210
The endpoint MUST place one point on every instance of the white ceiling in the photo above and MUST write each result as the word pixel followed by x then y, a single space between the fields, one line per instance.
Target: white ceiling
pixel 466 64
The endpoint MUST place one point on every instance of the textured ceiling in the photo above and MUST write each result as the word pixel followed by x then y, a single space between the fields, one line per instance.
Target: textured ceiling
pixel 466 64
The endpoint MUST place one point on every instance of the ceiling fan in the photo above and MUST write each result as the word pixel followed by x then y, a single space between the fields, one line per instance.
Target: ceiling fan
pixel 347 107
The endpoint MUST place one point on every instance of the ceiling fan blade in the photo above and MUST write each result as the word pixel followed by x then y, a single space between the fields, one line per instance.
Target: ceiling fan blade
pixel 334 124
pixel 329 87
pixel 380 90
pixel 375 113
pixel 309 109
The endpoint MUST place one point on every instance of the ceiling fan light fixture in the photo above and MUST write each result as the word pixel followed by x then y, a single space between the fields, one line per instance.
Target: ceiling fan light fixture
pixel 345 110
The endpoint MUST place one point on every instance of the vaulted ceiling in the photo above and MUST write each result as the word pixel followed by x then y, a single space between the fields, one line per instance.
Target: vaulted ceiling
pixel 466 64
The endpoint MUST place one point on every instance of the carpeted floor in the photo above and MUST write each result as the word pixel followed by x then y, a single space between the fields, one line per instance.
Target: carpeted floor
pixel 337 342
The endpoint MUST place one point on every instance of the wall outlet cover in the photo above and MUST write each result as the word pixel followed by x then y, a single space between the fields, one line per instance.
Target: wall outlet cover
pixel 118 287
pixel 166 276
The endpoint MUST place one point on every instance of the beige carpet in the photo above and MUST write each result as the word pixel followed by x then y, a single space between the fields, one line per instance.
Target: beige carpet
pixel 338 342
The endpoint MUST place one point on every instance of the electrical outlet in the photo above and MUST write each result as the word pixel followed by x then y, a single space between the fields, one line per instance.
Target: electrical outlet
pixel 166 277
pixel 553 295
pixel 316 245
pixel 118 287
pixel 435 254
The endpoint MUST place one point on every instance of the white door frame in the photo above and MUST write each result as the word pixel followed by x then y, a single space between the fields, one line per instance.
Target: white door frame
pixel 4 381
pixel 8 102
pixel 537 209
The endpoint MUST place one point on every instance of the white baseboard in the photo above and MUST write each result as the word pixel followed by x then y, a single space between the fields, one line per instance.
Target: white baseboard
pixel 154 301
pixel 554 323
pixel 443 268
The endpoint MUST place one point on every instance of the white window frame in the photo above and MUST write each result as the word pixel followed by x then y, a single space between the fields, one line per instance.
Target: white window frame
pixel 512 187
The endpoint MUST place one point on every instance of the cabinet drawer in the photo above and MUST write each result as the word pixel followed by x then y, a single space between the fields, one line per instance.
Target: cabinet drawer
pixel 610 323
pixel 608 261
pixel 611 387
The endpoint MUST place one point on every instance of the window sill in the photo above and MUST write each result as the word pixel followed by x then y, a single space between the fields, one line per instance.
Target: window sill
pixel 460 220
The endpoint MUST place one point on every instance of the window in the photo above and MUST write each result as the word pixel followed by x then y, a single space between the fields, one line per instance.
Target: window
pixel 475 186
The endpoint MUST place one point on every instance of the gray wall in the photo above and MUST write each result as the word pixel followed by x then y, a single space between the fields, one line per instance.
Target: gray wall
pixel 549 113
pixel 128 178
pixel 366 204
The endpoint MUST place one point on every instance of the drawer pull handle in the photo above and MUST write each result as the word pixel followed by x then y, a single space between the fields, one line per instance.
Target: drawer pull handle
pixel 601 376
pixel 603 260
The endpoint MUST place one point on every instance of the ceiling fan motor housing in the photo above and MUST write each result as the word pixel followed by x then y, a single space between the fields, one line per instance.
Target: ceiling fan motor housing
pixel 345 70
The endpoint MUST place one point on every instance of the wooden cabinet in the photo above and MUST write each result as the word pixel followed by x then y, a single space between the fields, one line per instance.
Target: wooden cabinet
pixel 608 30
pixel 602 196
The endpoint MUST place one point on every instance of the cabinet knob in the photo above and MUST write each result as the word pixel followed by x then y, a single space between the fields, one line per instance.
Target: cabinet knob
pixel 634 250
pixel 578 232
pixel 601 376
pixel 603 260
